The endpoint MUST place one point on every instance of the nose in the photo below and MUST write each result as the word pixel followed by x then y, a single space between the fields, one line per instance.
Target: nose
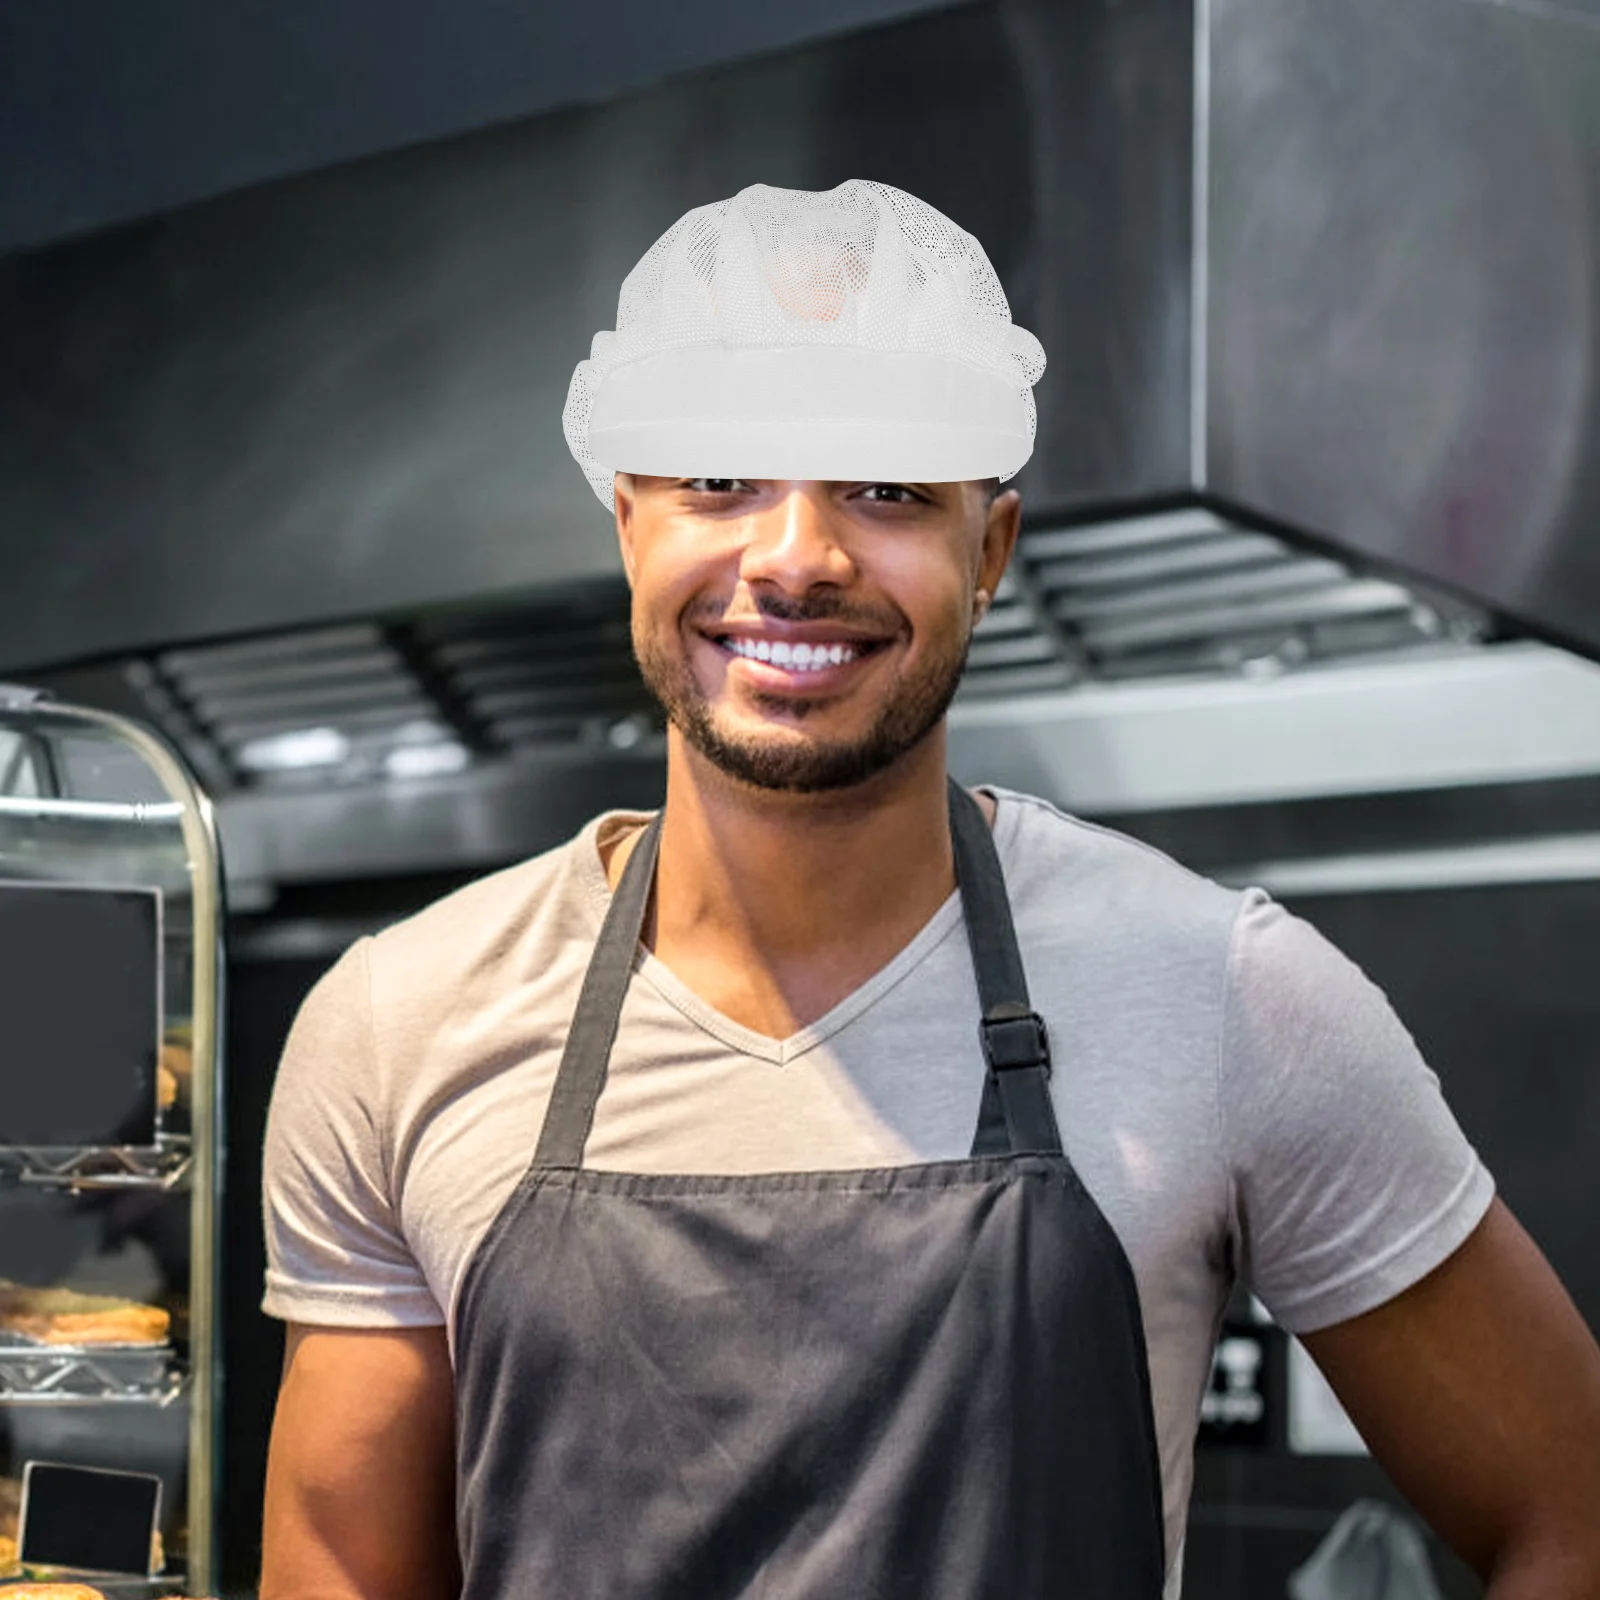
pixel 796 541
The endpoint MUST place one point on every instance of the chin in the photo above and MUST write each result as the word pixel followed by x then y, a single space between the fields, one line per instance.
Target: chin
pixel 802 746
pixel 771 761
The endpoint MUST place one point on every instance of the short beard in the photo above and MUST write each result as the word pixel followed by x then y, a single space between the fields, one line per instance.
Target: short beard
pixel 911 710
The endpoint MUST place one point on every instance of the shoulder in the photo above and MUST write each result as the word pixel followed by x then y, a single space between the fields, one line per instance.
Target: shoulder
pixel 1275 973
pixel 403 982
pixel 1132 948
pixel 492 926
pixel 1055 860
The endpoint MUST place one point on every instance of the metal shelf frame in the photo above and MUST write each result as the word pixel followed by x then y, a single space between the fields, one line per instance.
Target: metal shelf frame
pixel 166 1166
pixel 80 1375
pixel 136 809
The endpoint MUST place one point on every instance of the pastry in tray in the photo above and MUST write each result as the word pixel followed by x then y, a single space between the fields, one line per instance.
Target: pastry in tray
pixel 10 1517
pixel 47 1589
pixel 28 1590
pixel 66 1317
pixel 42 1589
pixel 173 1071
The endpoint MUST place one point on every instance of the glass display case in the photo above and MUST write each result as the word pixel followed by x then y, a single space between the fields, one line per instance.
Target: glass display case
pixel 110 975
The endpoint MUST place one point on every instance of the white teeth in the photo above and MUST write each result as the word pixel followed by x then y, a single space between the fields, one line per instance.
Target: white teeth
pixel 800 657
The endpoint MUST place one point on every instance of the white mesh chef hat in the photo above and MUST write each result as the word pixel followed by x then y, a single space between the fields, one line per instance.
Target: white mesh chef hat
pixel 849 333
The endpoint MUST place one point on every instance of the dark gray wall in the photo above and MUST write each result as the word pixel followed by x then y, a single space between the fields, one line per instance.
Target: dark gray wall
pixel 1497 985
pixel 341 394
pixel 110 111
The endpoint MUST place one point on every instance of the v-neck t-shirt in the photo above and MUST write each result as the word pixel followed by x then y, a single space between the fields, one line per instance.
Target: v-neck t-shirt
pixel 1240 1100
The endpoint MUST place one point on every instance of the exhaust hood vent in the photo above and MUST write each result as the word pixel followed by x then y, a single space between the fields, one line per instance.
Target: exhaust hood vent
pixel 412 699
pixel 1183 593
pixel 536 676
pixel 292 708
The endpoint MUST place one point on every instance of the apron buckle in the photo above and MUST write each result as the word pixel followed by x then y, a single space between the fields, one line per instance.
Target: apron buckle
pixel 1014 1036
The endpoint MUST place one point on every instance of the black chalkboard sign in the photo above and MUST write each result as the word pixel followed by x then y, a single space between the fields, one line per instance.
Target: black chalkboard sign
pixel 88 1519
pixel 80 1014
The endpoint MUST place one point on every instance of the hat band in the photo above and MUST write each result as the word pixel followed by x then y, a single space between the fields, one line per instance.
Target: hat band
pixel 809 411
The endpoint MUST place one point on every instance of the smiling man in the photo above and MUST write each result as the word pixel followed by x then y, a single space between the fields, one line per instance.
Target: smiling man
pixel 830 1185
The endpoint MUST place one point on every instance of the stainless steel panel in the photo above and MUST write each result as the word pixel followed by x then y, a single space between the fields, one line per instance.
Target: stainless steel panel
pixel 1515 713
pixel 1563 858
pixel 1404 322
pixel 1108 90
pixel 485 817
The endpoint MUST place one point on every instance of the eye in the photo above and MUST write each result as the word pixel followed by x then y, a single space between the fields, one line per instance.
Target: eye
pixel 903 496
pixel 715 485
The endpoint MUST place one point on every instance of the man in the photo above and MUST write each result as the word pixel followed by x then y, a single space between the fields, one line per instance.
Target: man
pixel 831 1185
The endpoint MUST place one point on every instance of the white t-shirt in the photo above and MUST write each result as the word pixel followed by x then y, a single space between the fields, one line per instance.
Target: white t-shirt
pixel 1238 1098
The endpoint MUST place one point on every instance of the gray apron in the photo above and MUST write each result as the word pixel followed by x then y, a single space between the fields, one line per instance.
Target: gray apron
pixel 924 1382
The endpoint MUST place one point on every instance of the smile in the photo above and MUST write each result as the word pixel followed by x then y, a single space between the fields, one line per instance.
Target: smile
pixel 796 656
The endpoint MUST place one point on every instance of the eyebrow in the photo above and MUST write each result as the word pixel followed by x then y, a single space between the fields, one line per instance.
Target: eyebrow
pixel 934 490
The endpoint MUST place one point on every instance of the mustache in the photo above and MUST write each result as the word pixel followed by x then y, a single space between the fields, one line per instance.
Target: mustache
pixel 821 607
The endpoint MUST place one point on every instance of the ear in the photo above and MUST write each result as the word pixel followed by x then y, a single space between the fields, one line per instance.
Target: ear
pixel 622 494
pixel 1001 526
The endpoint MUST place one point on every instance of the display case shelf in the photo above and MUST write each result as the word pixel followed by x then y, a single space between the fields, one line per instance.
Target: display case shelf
pixel 168 1165
pixel 56 1375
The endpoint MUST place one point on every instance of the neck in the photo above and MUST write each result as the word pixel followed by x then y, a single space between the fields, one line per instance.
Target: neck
pixel 775 906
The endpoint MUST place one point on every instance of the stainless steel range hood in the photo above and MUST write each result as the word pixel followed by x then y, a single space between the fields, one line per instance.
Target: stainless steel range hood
pixel 1319 281
pixel 1332 264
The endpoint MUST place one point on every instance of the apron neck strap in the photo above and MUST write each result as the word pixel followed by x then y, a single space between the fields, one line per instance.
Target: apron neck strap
pixel 582 1073
pixel 1017 1115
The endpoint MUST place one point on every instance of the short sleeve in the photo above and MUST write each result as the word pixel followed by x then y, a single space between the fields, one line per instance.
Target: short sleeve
pixel 335 1252
pixel 1351 1178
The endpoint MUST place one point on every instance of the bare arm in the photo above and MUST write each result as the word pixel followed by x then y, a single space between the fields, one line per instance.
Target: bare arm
pixel 360 1475
pixel 1478 1390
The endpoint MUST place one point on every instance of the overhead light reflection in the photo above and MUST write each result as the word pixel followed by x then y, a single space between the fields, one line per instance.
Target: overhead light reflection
pixel 426 760
pixel 299 751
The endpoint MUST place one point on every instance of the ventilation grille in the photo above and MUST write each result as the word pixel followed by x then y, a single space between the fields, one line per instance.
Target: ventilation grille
pixel 1188 592
pixel 1179 593
pixel 541 676
pixel 405 700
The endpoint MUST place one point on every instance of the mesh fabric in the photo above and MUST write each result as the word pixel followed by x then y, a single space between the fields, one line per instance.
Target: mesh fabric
pixel 695 358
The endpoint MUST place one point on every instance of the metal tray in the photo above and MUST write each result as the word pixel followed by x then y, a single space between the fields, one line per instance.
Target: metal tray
pixel 34 1373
